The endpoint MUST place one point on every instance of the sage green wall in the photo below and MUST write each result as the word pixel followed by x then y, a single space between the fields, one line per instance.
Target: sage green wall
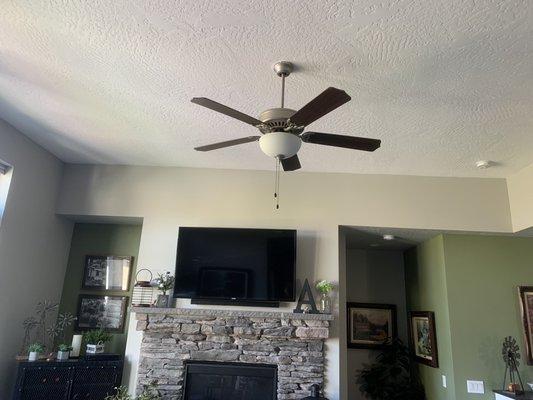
pixel 482 275
pixel 115 239
pixel 425 279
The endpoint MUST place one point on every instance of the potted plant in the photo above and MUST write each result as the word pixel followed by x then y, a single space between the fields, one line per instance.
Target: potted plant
pixel 324 288
pixel 35 349
pixel 150 392
pixel 63 352
pixel 95 341
pixel 393 376
pixel 121 393
pixel 164 282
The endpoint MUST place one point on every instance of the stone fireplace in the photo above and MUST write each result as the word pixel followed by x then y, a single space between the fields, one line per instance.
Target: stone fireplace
pixel 294 343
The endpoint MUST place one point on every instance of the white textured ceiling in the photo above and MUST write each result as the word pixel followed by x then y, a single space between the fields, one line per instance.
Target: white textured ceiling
pixel 442 83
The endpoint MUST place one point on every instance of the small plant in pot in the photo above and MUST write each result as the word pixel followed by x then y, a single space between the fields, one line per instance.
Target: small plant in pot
pixel 324 288
pixel 164 283
pixel 34 350
pixel 63 352
pixel 95 341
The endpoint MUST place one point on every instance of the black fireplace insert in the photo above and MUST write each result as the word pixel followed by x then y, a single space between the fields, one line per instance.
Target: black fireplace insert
pixel 209 380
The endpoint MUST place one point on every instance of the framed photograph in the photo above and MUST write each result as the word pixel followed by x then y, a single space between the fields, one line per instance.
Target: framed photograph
pixel 370 325
pixel 424 338
pixel 101 312
pixel 526 308
pixel 107 273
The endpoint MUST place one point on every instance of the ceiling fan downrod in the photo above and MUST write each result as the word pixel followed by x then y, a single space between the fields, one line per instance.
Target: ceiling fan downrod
pixel 283 69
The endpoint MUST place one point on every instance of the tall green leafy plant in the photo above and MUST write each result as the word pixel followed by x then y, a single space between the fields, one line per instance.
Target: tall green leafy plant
pixel 393 376
pixel 149 392
pixel 96 336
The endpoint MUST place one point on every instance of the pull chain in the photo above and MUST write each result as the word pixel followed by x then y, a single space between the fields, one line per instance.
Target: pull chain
pixel 276 183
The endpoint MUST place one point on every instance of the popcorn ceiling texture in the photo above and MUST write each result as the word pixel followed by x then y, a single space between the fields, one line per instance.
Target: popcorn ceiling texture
pixel 295 345
pixel 442 83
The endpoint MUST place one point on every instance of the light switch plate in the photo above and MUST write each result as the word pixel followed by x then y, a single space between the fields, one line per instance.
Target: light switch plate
pixel 475 387
pixel 444 384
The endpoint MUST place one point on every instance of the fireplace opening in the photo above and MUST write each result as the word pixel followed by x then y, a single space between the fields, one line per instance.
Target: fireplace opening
pixel 210 380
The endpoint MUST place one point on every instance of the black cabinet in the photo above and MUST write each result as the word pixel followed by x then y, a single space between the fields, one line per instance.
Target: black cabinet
pixel 67 380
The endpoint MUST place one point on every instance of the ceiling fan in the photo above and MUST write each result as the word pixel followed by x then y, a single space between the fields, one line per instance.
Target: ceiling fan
pixel 282 128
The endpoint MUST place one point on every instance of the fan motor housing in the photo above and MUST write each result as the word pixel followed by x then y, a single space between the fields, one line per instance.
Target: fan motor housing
pixel 275 120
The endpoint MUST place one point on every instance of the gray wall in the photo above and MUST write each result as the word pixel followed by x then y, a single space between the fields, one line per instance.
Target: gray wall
pixel 374 277
pixel 33 242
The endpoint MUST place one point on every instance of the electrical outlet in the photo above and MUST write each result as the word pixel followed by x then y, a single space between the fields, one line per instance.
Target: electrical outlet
pixel 444 384
pixel 475 387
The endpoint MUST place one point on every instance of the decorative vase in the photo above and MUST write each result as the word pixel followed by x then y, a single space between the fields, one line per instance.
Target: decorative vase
pixel 325 303
pixel 164 301
pixel 63 355
pixel 95 348
pixel 33 356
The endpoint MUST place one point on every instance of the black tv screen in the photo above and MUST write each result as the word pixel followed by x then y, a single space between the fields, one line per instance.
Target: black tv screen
pixel 236 264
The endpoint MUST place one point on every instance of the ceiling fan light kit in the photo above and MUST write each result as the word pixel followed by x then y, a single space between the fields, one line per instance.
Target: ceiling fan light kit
pixel 282 129
pixel 280 144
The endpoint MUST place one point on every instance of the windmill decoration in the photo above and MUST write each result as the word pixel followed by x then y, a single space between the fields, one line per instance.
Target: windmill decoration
pixel 511 357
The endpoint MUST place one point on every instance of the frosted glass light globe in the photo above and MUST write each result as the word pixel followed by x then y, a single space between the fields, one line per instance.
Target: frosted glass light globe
pixel 280 144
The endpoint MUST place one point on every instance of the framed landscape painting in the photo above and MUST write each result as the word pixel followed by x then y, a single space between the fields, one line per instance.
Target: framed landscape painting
pixel 370 325
pixel 526 308
pixel 107 273
pixel 424 338
pixel 101 312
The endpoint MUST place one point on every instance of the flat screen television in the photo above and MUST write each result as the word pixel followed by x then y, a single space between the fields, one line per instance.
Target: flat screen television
pixel 229 265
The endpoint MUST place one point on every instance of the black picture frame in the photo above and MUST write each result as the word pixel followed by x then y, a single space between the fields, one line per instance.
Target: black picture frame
pixel 363 311
pixel 425 319
pixel 100 312
pixel 98 268
pixel 525 294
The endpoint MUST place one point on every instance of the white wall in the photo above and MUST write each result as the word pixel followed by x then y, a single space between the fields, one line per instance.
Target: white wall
pixel 520 187
pixel 33 242
pixel 373 277
pixel 315 204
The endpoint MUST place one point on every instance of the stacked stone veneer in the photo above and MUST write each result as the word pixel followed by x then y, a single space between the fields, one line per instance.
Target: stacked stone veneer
pixel 293 342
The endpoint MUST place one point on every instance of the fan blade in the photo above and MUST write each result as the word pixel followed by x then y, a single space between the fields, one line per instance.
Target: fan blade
pixel 325 102
pixel 348 142
pixel 227 143
pixel 291 163
pixel 221 108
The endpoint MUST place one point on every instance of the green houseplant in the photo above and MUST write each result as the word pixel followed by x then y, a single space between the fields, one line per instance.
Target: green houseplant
pixel 95 340
pixel 149 392
pixel 34 350
pixel 63 352
pixel 393 376
pixel 121 393
pixel 164 283
pixel 324 288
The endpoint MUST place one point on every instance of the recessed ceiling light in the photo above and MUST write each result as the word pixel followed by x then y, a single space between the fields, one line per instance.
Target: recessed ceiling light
pixel 388 237
pixel 483 164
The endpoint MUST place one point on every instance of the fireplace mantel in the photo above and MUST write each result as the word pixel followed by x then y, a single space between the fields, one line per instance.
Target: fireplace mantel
pixel 293 342
pixel 199 312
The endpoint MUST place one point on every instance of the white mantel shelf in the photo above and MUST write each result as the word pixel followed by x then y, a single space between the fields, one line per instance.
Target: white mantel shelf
pixel 201 312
